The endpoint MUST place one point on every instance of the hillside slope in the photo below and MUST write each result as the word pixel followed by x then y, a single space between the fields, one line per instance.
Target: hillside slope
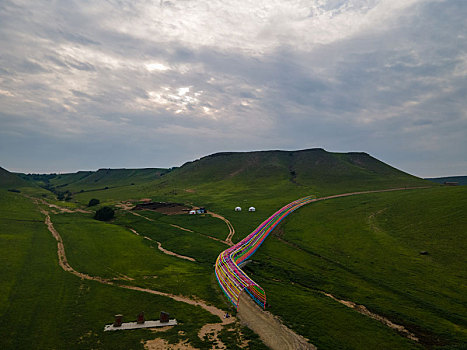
pixel 95 180
pixel 10 180
pixel 316 169
pixel 248 178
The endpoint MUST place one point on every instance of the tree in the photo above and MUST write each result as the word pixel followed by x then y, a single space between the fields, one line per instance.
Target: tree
pixel 93 202
pixel 104 214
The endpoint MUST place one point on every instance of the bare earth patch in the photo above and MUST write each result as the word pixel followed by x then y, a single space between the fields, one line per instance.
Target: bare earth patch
pixel 270 329
pixel 163 207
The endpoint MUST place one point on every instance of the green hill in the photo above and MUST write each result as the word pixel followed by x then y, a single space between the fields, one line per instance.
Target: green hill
pixel 95 180
pixel 257 177
pixel 323 171
pixel 10 181
pixel 261 173
pixel 107 178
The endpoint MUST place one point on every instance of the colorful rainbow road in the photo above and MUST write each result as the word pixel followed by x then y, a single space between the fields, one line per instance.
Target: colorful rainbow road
pixel 230 277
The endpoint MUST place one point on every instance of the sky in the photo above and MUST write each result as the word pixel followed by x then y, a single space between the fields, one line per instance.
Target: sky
pixel 139 83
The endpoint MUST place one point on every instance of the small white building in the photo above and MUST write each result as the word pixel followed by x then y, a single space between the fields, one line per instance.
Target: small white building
pixel 192 212
pixel 238 209
pixel 252 209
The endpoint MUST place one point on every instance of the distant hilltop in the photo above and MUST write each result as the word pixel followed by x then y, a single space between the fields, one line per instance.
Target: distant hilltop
pixel 450 180
pixel 303 171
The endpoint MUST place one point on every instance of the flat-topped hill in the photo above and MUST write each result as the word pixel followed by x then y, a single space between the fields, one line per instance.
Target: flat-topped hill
pixel 239 175
pixel 324 171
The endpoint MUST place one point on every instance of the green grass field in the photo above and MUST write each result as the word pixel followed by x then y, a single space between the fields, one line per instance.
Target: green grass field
pixel 43 305
pixel 366 249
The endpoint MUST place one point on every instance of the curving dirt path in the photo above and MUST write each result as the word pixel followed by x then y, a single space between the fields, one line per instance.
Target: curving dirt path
pixel 364 311
pixel 38 201
pixel 64 264
pixel 181 228
pixel 163 250
pixel 228 240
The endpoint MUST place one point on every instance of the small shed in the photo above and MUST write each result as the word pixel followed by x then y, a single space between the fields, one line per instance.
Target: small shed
pixel 238 209
pixel 192 212
pixel 252 209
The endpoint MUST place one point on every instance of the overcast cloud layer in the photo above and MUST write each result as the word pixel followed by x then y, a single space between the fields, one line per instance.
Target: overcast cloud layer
pixel 93 84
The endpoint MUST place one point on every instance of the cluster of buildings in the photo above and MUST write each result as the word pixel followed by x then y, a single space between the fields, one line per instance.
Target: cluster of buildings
pixel 198 211
pixel 204 211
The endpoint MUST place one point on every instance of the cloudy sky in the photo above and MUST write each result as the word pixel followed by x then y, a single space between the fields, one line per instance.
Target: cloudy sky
pixel 142 83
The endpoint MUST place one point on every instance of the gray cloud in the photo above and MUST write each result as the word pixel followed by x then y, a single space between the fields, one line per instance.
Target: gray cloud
pixel 161 83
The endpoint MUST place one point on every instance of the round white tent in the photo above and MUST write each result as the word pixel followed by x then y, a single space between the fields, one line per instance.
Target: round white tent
pixel 238 209
pixel 252 209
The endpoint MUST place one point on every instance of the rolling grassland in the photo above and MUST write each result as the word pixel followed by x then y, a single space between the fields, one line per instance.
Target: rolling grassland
pixel 366 249
pixel 321 268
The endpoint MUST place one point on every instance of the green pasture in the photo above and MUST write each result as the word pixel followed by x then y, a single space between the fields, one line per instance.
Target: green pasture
pixel 44 307
pixel 110 251
pixel 193 244
pixel 366 249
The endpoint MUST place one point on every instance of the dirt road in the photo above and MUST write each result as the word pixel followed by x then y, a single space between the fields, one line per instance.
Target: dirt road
pixel 162 249
pixel 271 331
pixel 228 240
pixel 64 264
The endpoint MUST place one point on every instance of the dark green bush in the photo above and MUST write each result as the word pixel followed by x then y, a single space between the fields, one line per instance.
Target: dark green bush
pixel 93 202
pixel 104 214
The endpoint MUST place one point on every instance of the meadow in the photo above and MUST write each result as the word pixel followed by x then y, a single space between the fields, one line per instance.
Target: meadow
pixel 43 305
pixel 365 249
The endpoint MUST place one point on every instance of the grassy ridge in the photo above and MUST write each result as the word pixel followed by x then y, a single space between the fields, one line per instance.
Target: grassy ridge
pixel 366 249
pixel 249 178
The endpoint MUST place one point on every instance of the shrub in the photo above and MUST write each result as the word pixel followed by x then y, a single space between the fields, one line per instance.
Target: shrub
pixel 93 202
pixel 104 214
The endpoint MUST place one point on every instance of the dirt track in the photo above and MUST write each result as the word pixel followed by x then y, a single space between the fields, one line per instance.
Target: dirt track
pixel 271 331
pixel 228 240
pixel 163 250
pixel 63 262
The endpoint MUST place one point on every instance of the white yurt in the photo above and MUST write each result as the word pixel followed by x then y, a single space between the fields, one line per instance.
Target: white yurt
pixel 252 209
pixel 238 209
pixel 192 212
